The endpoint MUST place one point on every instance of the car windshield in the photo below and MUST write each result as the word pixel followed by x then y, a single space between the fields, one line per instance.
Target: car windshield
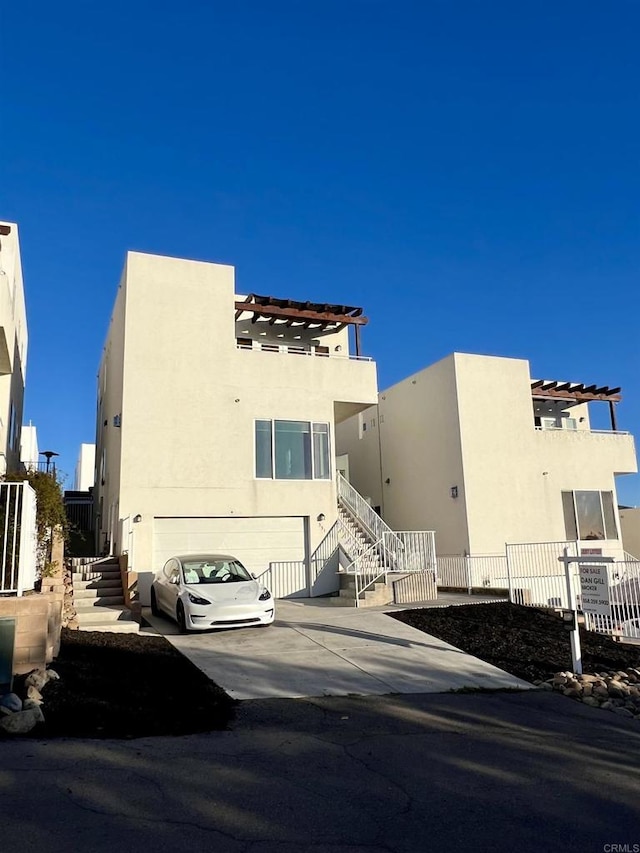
pixel 214 571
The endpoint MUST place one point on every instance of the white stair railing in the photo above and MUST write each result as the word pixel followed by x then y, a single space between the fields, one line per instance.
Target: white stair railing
pixel 368 519
pixel 368 569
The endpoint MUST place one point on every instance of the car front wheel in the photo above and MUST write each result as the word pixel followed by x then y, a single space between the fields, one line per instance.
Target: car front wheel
pixel 155 610
pixel 181 619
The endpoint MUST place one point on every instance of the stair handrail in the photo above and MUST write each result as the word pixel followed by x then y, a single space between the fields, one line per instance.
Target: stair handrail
pixel 367 517
pixel 359 572
pixel 349 541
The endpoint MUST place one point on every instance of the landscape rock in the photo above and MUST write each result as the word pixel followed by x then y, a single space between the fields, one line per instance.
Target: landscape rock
pixel 11 702
pixel 52 675
pixel 31 705
pixel 21 722
pixel 34 694
pixel 37 678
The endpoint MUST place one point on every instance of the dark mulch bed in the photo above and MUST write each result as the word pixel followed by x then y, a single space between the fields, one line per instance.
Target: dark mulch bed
pixel 529 643
pixel 125 686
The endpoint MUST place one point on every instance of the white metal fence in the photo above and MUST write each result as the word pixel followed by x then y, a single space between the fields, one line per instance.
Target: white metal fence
pixel 477 571
pixel 416 552
pixel 18 537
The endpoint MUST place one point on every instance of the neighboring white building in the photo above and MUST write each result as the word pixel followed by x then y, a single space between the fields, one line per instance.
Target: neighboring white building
pixel 217 416
pixel 630 523
pixel 85 468
pixel 13 346
pixel 29 454
pixel 476 450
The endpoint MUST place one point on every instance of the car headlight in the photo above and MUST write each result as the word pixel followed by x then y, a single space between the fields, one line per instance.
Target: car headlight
pixel 265 595
pixel 195 599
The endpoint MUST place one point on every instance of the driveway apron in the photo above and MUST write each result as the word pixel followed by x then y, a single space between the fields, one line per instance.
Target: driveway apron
pixel 315 649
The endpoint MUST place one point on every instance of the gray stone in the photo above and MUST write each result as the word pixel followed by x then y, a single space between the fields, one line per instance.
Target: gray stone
pixel 32 705
pixel 11 701
pixel 52 675
pixel 559 679
pixel 19 723
pixel 587 689
pixel 572 693
pixel 608 705
pixel 591 700
pixel 544 685
pixel 600 690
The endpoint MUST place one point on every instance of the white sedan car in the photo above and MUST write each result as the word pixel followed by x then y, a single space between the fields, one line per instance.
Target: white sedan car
pixel 205 591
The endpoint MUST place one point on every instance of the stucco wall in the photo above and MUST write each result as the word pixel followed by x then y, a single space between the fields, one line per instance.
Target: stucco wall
pixel 467 422
pixel 189 399
pixel 13 343
pixel 630 523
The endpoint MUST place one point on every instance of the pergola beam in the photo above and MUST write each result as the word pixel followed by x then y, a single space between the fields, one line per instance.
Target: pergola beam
pixel 298 314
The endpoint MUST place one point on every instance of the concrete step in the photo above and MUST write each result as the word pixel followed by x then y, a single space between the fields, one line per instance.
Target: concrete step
pixel 83 605
pixel 106 614
pixel 97 583
pixel 123 626
pixel 79 577
pixel 111 591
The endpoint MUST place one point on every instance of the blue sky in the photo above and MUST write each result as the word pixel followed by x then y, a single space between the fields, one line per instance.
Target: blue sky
pixel 468 172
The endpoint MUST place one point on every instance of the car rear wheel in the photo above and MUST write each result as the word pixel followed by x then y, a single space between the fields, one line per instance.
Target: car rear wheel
pixel 181 619
pixel 154 603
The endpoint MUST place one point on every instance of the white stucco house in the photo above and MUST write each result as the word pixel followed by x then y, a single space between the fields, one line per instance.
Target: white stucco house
pixel 84 475
pixel 216 420
pixel 478 450
pixel 13 347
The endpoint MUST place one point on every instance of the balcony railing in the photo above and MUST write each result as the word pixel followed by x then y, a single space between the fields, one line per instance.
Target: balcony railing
pixel 567 431
pixel 295 349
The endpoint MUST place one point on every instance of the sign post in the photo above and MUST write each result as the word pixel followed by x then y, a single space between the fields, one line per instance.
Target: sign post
pixel 593 582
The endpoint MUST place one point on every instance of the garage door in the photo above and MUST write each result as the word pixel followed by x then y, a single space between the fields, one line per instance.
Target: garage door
pixel 256 542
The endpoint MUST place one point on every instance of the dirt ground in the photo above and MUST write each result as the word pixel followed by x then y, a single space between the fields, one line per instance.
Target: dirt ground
pixel 529 643
pixel 124 686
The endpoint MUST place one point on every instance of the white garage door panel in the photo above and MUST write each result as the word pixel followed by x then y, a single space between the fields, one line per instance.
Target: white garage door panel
pixel 255 541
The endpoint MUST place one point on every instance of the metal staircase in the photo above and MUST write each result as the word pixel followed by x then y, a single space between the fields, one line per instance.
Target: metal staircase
pixel 375 550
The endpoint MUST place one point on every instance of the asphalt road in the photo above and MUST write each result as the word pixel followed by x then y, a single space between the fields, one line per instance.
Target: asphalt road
pixel 498 772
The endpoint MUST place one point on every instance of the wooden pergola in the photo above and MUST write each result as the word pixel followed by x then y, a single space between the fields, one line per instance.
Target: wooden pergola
pixel 319 316
pixel 578 392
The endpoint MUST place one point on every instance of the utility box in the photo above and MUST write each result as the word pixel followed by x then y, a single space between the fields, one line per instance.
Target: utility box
pixel 7 640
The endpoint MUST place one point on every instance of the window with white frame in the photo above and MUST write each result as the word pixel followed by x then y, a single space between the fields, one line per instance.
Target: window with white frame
pixel 292 450
pixel 589 515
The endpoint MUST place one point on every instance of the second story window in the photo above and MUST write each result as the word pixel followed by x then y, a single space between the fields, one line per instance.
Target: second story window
pixel 292 450
pixel 589 515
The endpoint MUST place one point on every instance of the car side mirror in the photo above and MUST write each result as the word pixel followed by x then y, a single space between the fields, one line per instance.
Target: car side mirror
pixel 253 576
pixel 175 579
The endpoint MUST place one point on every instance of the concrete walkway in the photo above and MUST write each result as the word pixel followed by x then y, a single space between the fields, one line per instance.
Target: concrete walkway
pixel 314 649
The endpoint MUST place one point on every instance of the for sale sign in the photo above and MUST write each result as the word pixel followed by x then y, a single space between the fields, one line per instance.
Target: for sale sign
pixel 594 583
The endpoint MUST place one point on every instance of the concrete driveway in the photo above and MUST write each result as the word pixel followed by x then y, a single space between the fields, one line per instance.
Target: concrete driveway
pixel 315 649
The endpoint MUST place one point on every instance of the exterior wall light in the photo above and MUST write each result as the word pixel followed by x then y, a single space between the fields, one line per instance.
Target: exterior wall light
pixel 388 480
pixel 454 491
pixel 137 518
pixel 321 517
